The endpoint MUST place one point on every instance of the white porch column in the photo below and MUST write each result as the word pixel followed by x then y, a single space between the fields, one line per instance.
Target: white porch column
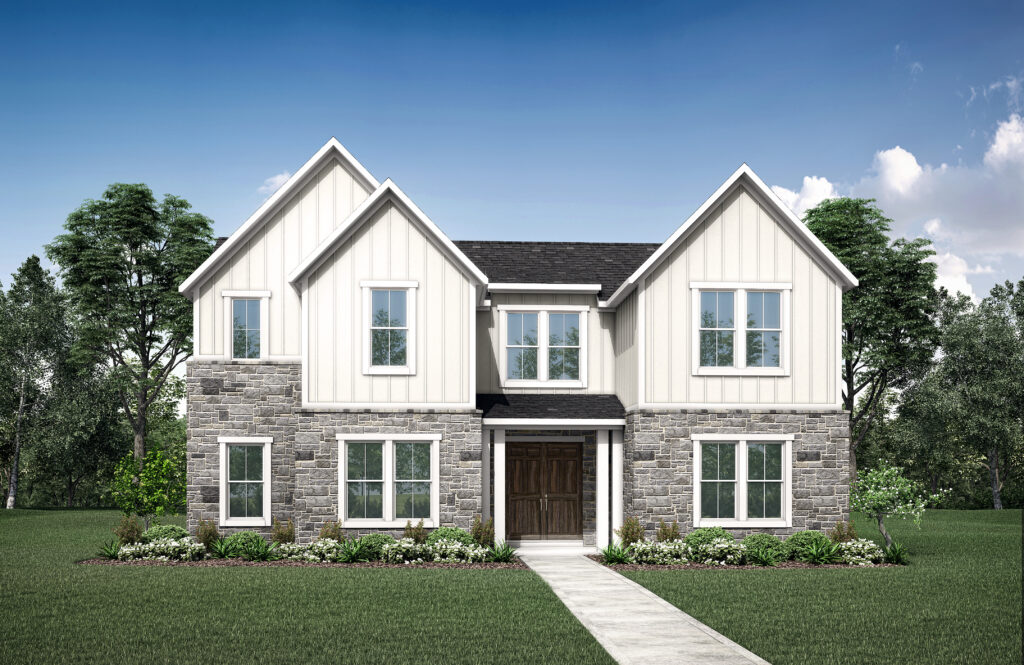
pixel 617 481
pixel 499 484
pixel 485 473
pixel 603 436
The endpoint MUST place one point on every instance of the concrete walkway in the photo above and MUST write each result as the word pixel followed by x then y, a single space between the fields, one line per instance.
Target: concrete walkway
pixel 633 624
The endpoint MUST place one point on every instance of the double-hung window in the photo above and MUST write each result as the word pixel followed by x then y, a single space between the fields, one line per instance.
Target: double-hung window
pixel 389 327
pixel 740 328
pixel 543 346
pixel 388 480
pixel 246 324
pixel 742 480
pixel 244 481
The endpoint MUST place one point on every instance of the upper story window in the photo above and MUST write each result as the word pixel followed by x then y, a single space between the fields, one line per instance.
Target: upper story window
pixel 246 324
pixel 741 328
pixel 389 325
pixel 543 346
pixel 739 481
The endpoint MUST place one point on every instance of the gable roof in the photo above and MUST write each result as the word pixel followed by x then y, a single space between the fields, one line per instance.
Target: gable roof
pixel 743 175
pixel 572 263
pixel 223 251
pixel 387 191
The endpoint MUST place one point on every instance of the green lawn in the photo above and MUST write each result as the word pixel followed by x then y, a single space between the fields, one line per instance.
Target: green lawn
pixel 55 611
pixel 958 602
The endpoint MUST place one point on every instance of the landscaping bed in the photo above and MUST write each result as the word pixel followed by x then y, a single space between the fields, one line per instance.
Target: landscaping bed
pixel 214 563
pixel 782 565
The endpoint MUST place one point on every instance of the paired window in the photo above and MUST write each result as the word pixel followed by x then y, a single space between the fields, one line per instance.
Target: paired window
pixel 740 328
pixel 741 481
pixel 245 324
pixel 245 481
pixel 389 320
pixel 386 482
pixel 543 347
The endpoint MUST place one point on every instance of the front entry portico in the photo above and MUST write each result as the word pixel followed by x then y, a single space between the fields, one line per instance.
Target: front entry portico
pixel 544 490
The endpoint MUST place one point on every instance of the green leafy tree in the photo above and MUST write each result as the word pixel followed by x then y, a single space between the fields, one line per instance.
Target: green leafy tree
pixel 152 491
pixel 889 332
pixel 32 330
pixel 122 258
pixel 885 492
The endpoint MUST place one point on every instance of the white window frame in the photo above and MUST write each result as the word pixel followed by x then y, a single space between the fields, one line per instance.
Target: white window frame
pixel 741 441
pixel 542 311
pixel 389 439
pixel 225 442
pixel 229 324
pixel 739 357
pixel 411 288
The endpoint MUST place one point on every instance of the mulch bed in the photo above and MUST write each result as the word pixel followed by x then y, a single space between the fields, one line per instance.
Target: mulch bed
pixel 699 566
pixel 214 563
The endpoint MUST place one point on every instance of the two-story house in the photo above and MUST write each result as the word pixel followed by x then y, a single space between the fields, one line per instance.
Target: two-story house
pixel 354 364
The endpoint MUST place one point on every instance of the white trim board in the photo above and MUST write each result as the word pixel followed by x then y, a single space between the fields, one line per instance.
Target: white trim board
pixel 549 423
pixel 522 287
pixel 222 514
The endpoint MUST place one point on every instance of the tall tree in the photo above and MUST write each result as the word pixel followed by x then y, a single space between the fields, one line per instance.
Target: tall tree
pixel 889 335
pixel 121 261
pixel 32 330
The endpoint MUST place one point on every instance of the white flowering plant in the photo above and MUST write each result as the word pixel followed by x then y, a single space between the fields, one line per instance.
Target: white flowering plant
pixel 445 550
pixel 719 552
pixel 885 492
pixel 163 549
pixel 669 552
pixel 860 552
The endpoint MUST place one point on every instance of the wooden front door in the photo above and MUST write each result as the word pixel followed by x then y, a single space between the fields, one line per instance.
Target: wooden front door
pixel 545 490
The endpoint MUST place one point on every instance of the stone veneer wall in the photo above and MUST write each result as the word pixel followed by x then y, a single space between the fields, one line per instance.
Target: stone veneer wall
pixel 264 399
pixel 659 463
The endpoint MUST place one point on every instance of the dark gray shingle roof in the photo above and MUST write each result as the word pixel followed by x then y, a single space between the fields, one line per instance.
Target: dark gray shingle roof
pixel 550 406
pixel 606 263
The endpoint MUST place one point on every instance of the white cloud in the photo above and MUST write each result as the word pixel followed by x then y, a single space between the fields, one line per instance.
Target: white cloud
pixel 813 191
pixel 915 68
pixel 953 271
pixel 1007 149
pixel 897 169
pixel 933 227
pixel 274 182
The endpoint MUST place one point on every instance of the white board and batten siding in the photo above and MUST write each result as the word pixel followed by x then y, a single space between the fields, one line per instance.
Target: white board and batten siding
pixel 626 349
pixel 266 258
pixel 389 247
pixel 741 242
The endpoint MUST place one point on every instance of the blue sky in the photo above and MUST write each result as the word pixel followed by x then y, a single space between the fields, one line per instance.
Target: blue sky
pixel 586 121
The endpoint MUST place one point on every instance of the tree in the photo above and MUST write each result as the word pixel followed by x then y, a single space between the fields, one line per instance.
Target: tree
pixel 884 491
pixel 121 261
pixel 32 330
pixel 889 332
pixel 155 489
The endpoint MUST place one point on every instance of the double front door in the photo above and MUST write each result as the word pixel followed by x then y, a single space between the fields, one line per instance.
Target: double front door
pixel 545 490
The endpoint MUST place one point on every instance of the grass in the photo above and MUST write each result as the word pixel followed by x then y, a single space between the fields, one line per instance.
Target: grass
pixel 56 611
pixel 959 600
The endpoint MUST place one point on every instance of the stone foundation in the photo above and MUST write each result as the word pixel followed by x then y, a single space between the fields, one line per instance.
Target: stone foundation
pixel 658 483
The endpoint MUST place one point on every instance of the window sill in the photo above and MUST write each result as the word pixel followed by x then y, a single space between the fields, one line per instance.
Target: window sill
pixel 245 521
pixel 532 383
pixel 383 524
pixel 743 524
pixel 389 371
pixel 741 371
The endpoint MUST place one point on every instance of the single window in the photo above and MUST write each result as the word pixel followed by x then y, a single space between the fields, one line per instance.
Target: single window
pixel 564 347
pixel 521 345
pixel 365 480
pixel 764 480
pixel 764 328
pixel 718 480
pixel 717 328
pixel 245 481
pixel 412 480
pixel 389 327
pixel 245 328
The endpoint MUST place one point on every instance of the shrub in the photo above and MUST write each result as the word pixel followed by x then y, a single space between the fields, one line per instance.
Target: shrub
pixel 166 549
pixel 450 533
pixel 821 552
pixel 615 553
pixel 667 532
pixel 129 530
pixel 885 491
pixel 800 540
pixel 330 531
pixel 207 533
pixel 501 552
pixel 238 542
pixel 703 536
pixel 283 532
pixel 483 532
pixel 896 554
pixel 222 548
pixel 631 531
pixel 842 532
pixel 763 555
pixel 719 552
pixel 166 531
pixel 417 533
pixel 667 552
pixel 158 488
pixel 109 550
pixel 257 550
pixel 759 541
pixel 352 551
pixel 373 543
pixel 408 550
pixel 860 552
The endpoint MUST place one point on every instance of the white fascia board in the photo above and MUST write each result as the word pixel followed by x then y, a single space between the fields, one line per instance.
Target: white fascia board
pixel 518 287
pixel 845 277
pixel 543 423
pixel 258 218
pixel 387 191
